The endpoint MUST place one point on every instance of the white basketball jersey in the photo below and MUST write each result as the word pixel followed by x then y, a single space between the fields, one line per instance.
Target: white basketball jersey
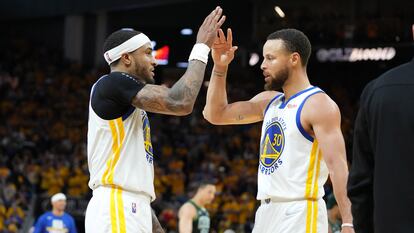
pixel 120 152
pixel 291 166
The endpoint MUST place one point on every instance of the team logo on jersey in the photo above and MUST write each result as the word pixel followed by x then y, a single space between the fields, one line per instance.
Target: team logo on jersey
pixel 203 224
pixel 271 148
pixel 147 137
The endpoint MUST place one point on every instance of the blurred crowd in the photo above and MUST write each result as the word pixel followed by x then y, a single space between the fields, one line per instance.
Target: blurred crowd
pixel 44 111
pixel 42 139
pixel 344 26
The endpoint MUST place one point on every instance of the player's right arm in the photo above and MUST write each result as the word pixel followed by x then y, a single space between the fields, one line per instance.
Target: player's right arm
pixel 217 110
pixel 186 214
pixel 180 98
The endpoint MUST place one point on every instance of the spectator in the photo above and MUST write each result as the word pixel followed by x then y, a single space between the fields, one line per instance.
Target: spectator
pixel 56 220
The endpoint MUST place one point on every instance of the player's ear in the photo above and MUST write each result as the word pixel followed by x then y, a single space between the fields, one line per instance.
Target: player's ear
pixel 295 59
pixel 126 58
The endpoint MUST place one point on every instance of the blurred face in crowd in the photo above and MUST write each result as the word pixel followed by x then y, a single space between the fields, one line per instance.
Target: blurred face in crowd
pixel 141 63
pixel 207 193
pixel 277 64
pixel 59 205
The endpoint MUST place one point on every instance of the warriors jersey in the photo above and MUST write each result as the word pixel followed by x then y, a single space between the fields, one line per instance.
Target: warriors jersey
pixel 291 165
pixel 120 152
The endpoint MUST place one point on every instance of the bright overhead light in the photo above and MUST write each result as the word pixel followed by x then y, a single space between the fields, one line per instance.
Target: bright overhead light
pixel 254 59
pixel 153 43
pixel 279 12
pixel 186 31
pixel 182 64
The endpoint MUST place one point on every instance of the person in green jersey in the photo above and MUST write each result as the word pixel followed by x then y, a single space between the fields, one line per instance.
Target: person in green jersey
pixel 193 217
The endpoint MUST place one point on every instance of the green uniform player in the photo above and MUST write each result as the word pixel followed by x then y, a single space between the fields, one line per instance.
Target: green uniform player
pixel 193 216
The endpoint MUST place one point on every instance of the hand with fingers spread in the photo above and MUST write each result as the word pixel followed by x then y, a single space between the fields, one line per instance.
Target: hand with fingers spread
pixel 208 30
pixel 223 49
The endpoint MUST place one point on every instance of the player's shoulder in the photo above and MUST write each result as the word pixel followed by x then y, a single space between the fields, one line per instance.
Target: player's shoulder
pixel 321 99
pixel 267 95
pixel 45 215
pixel 187 205
pixel 187 209
pixel 102 81
pixel 320 105
pixel 116 78
pixel 265 98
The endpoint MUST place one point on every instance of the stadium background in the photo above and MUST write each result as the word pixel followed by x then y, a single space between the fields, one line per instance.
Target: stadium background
pixel 51 54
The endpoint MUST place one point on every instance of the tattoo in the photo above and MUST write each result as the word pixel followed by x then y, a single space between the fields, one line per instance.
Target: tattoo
pixel 187 88
pixel 155 99
pixel 177 100
pixel 156 226
pixel 219 74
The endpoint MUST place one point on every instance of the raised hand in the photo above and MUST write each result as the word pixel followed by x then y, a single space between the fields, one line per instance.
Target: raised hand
pixel 223 49
pixel 208 30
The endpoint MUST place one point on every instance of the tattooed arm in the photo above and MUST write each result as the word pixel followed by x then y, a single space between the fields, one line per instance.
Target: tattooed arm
pixel 177 100
pixel 180 98
pixel 156 226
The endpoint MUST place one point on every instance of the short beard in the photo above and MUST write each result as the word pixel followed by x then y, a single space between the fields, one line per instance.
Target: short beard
pixel 146 78
pixel 278 81
pixel 149 80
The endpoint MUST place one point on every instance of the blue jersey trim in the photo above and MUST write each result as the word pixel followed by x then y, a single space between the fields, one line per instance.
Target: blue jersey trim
pixel 271 101
pixel 128 113
pixel 298 123
pixel 283 105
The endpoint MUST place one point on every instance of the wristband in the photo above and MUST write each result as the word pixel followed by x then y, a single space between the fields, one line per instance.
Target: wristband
pixel 200 52
pixel 347 225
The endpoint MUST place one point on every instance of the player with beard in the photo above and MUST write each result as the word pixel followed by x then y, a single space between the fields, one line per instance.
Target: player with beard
pixel 120 153
pixel 301 140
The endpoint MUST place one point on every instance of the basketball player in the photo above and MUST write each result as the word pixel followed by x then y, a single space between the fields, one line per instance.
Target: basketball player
pixel 120 154
pixel 193 217
pixel 301 138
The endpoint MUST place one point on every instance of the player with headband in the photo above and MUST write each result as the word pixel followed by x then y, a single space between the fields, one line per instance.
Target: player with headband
pixel 120 154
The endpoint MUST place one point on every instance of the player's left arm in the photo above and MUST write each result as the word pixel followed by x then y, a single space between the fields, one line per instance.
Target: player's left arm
pixel 186 214
pixel 323 116
pixel 156 226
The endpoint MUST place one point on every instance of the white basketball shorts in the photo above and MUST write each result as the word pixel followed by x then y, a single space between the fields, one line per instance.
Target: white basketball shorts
pixel 302 216
pixel 112 210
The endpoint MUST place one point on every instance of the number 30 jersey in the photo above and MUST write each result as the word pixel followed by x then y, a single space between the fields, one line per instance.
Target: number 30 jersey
pixel 291 166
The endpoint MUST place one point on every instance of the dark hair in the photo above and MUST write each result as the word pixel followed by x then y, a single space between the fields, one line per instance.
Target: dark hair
pixel 294 41
pixel 203 183
pixel 118 38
